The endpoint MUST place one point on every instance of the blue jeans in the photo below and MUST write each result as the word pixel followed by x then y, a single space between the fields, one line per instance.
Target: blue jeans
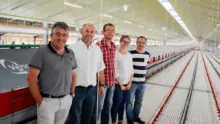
pixel 104 105
pixel 119 99
pixel 82 106
pixel 136 92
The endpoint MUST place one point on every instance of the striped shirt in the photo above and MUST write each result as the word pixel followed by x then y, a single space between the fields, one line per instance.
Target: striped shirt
pixel 109 60
pixel 140 65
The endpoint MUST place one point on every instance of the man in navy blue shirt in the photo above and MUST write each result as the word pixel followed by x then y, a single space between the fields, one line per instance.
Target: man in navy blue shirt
pixel 140 58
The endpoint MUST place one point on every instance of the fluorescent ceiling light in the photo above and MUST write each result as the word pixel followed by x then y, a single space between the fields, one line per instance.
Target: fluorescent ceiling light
pixel 140 26
pixel 127 22
pixel 166 4
pixel 164 28
pixel 73 5
pixel 107 15
pixel 125 7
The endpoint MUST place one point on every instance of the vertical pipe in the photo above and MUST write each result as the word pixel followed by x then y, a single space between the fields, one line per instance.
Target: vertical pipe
pixel 216 45
pixel 101 13
pixel 45 25
pixel 212 27
pixel 100 27
pixel 173 19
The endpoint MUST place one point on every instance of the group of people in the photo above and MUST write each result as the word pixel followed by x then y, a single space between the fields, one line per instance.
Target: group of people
pixel 85 82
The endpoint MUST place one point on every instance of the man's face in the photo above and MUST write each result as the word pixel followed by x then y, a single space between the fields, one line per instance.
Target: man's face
pixel 109 32
pixel 88 33
pixel 59 38
pixel 141 43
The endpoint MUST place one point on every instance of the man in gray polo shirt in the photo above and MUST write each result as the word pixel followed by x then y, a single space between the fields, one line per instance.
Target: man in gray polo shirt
pixel 52 77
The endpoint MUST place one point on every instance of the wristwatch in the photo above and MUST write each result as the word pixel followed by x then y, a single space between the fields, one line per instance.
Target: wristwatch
pixel 101 85
pixel 72 94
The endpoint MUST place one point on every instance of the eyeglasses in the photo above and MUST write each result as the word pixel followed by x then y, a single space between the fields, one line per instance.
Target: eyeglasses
pixel 125 42
pixel 110 31
pixel 141 43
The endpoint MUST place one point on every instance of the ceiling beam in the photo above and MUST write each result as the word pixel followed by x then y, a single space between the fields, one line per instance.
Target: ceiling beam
pixel 202 6
pixel 56 14
pixel 10 5
pixel 22 4
pixel 210 16
pixel 33 7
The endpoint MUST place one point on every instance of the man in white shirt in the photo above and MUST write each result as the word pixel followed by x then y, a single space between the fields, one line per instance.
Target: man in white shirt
pixel 90 62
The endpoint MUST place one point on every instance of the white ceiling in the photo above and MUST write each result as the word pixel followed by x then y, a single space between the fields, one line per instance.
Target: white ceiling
pixel 200 16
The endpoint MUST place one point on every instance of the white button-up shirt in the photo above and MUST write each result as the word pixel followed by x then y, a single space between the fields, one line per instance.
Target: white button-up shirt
pixel 89 62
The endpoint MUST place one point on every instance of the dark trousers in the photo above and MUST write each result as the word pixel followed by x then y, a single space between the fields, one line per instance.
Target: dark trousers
pixel 104 104
pixel 82 106
pixel 119 100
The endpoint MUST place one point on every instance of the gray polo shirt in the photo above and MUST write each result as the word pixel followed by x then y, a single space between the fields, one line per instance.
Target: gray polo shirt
pixel 55 75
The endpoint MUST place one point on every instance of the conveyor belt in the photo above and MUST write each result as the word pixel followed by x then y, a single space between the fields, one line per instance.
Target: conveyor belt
pixel 202 109
pixel 173 112
pixel 157 92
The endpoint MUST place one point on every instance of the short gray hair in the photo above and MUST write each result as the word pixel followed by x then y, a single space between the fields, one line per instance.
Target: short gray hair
pixel 61 25
pixel 142 37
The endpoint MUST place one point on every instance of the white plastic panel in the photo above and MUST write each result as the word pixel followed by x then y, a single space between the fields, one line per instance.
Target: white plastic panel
pixel 172 112
pixel 201 80
pixel 154 97
pixel 202 109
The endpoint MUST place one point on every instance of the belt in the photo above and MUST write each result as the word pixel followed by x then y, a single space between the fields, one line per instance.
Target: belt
pixel 86 88
pixel 51 96
pixel 142 82
pixel 123 85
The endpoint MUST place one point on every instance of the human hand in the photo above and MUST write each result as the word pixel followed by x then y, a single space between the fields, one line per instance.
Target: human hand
pixel 128 86
pixel 123 87
pixel 101 90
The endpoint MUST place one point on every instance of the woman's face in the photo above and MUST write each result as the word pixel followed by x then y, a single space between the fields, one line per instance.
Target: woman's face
pixel 124 43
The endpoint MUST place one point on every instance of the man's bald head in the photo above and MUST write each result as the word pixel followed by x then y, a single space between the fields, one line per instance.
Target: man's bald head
pixel 88 25
pixel 88 32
